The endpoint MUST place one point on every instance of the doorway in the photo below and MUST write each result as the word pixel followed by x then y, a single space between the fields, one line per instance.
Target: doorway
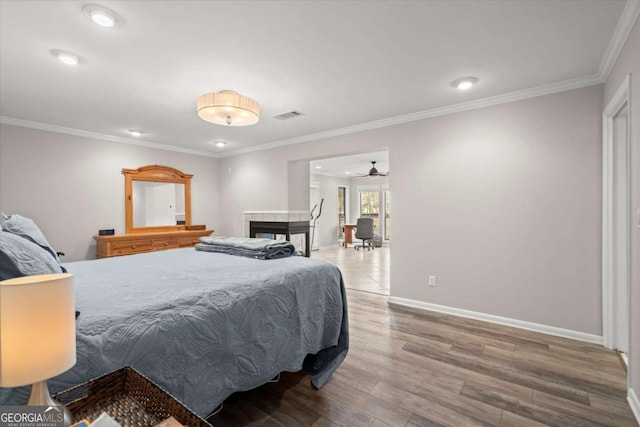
pixel 616 222
pixel 339 181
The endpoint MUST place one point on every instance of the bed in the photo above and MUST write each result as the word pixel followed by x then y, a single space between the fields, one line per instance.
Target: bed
pixel 204 325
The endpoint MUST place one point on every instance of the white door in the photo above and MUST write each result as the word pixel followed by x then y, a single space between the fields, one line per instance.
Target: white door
pixel 616 221
pixel 314 201
pixel 161 204
pixel 621 231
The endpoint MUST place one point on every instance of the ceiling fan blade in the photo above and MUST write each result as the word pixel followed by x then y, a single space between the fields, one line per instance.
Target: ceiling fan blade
pixel 373 172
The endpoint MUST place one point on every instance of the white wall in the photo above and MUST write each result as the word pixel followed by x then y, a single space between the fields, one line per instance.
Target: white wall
pixel 507 199
pixel 73 186
pixel 629 63
pixel 328 190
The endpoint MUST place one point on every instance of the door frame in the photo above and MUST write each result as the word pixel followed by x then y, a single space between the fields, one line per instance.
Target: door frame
pixel 347 203
pixel 618 102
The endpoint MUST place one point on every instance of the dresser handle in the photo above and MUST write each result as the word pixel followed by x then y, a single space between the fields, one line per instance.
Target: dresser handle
pixel 133 246
pixel 166 243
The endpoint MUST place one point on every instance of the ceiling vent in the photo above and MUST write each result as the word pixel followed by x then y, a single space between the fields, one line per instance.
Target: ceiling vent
pixel 288 115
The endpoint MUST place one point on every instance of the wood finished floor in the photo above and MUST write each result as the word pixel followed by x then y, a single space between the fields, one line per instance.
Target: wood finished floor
pixel 415 368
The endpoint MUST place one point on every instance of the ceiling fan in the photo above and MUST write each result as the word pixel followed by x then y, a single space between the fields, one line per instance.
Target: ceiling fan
pixel 373 171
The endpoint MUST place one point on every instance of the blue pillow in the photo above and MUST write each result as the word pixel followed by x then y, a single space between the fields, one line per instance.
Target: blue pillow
pixel 21 257
pixel 27 228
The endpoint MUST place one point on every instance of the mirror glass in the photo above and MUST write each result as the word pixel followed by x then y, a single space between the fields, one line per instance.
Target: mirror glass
pixel 158 203
pixel 156 199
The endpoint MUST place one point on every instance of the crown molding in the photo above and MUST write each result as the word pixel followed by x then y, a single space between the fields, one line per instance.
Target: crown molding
pixel 101 136
pixel 621 33
pixel 519 95
pixel 625 24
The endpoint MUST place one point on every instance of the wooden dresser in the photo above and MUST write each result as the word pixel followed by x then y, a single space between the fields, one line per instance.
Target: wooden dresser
pixel 134 243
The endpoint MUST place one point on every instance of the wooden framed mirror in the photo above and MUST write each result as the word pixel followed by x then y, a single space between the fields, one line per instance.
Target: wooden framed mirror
pixel 157 198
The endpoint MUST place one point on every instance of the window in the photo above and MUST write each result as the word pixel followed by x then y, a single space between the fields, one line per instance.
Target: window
pixel 375 202
pixel 342 212
pixel 370 207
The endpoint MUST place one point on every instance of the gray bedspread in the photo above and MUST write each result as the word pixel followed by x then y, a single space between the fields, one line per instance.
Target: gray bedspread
pixel 204 325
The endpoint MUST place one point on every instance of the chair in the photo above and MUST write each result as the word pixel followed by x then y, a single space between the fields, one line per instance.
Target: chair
pixel 364 232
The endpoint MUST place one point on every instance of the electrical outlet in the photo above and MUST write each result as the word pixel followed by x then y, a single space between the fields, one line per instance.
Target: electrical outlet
pixel 432 281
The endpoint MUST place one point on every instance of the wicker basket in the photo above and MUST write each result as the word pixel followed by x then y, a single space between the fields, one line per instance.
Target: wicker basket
pixel 128 397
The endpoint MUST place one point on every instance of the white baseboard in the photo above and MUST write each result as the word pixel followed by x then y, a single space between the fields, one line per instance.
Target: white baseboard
pixel 625 359
pixel 632 398
pixel 529 326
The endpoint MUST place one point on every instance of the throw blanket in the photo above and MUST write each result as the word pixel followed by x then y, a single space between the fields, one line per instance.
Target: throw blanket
pixel 247 247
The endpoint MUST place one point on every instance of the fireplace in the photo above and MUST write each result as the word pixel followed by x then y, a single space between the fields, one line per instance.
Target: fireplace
pixel 290 225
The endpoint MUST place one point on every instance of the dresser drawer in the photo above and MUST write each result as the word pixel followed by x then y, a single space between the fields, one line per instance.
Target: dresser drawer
pixel 165 243
pixel 134 243
pixel 186 242
pixel 131 247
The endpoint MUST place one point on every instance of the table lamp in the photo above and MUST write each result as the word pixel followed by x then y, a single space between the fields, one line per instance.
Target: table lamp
pixel 37 333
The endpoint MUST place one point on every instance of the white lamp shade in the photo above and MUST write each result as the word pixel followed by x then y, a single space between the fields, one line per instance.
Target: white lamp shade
pixel 37 328
pixel 228 108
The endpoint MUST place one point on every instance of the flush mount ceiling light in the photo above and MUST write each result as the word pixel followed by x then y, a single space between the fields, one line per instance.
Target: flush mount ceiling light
pixel 100 15
pixel 135 132
pixel 228 108
pixel 66 57
pixel 465 83
pixel 220 144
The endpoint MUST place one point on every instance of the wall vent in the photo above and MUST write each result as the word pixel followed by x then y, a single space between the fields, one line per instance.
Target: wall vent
pixel 288 115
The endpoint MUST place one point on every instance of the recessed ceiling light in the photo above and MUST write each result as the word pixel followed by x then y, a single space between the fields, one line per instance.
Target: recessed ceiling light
pixel 220 144
pixel 318 167
pixel 135 132
pixel 100 15
pixel 465 83
pixel 348 173
pixel 66 57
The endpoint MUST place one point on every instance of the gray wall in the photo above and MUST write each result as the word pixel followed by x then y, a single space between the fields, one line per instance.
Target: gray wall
pixel 73 186
pixel 502 204
pixel 629 63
